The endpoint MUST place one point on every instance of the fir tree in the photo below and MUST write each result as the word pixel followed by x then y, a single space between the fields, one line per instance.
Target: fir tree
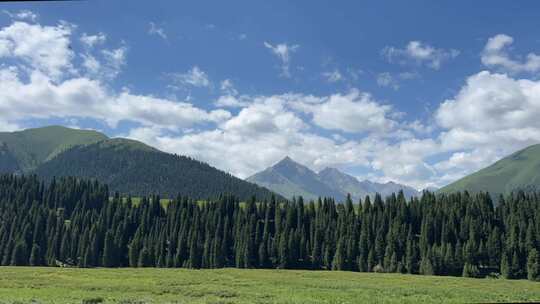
pixel 533 265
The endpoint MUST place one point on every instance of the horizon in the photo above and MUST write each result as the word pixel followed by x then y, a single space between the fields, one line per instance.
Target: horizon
pixel 422 104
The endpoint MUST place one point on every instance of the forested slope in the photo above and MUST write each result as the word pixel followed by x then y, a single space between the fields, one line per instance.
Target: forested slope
pixel 133 168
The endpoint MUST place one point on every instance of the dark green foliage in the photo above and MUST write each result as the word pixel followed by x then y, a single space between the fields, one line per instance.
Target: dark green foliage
pixel 8 162
pixel 533 265
pixel 133 168
pixel 76 222
pixel 470 271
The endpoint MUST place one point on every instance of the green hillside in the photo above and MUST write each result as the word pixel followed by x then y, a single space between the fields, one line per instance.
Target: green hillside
pixel 131 167
pixel 32 147
pixel 520 170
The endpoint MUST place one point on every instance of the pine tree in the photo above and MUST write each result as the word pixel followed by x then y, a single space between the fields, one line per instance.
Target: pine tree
pixel 109 251
pixel 144 258
pixel 426 264
pixel 533 266
pixel 338 262
pixel 19 256
pixel 506 272
pixel 35 256
pixel 371 261
pixel 470 271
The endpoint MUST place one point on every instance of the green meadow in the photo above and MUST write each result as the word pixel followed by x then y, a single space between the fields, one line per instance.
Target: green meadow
pixel 153 285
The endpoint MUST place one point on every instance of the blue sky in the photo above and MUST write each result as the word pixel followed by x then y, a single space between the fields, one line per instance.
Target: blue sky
pixel 418 92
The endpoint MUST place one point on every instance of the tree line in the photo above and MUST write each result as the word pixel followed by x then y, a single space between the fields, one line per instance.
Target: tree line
pixel 75 222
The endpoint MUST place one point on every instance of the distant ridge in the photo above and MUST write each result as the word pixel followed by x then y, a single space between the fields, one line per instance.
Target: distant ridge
pixel 520 170
pixel 32 147
pixel 290 179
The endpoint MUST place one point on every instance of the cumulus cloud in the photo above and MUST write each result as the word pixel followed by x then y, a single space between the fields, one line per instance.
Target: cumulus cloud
pixel 85 98
pixel 354 112
pixel 495 55
pixel 266 130
pixel 419 53
pixel 492 116
pixel 492 102
pixel 46 48
pixel 284 53
pixel 43 83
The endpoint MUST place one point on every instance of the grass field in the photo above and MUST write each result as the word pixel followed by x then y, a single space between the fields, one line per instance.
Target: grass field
pixel 137 286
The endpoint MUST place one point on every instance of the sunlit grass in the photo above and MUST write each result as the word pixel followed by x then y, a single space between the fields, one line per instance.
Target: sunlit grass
pixel 57 285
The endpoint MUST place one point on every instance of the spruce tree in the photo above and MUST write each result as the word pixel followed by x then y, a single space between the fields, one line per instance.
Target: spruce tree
pixel 109 250
pixel 470 271
pixel 533 265
pixel 338 262
pixel 19 256
pixel 35 256
pixel 144 258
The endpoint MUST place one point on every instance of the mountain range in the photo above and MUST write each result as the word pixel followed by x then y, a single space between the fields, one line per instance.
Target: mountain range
pixel 127 166
pixel 134 168
pixel 289 178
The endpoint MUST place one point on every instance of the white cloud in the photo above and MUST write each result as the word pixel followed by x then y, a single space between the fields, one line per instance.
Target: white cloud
pixel 267 124
pixel 354 112
pixel 115 60
pixel 492 102
pixel 495 55
pixel 195 77
pixel 91 64
pixel 107 66
pixel 419 53
pixel 227 87
pixel 404 162
pixel 492 116
pixel 284 52
pixel 85 98
pixel 93 40
pixel 22 15
pixel 333 76
pixel 387 80
pixel 155 30
pixel 229 101
pixel 46 48
pixel 275 124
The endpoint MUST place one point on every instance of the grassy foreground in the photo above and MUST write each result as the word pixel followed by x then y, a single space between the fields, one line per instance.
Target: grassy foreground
pixel 130 286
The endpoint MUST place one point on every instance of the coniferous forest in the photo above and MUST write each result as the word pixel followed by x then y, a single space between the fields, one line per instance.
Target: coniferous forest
pixel 73 222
